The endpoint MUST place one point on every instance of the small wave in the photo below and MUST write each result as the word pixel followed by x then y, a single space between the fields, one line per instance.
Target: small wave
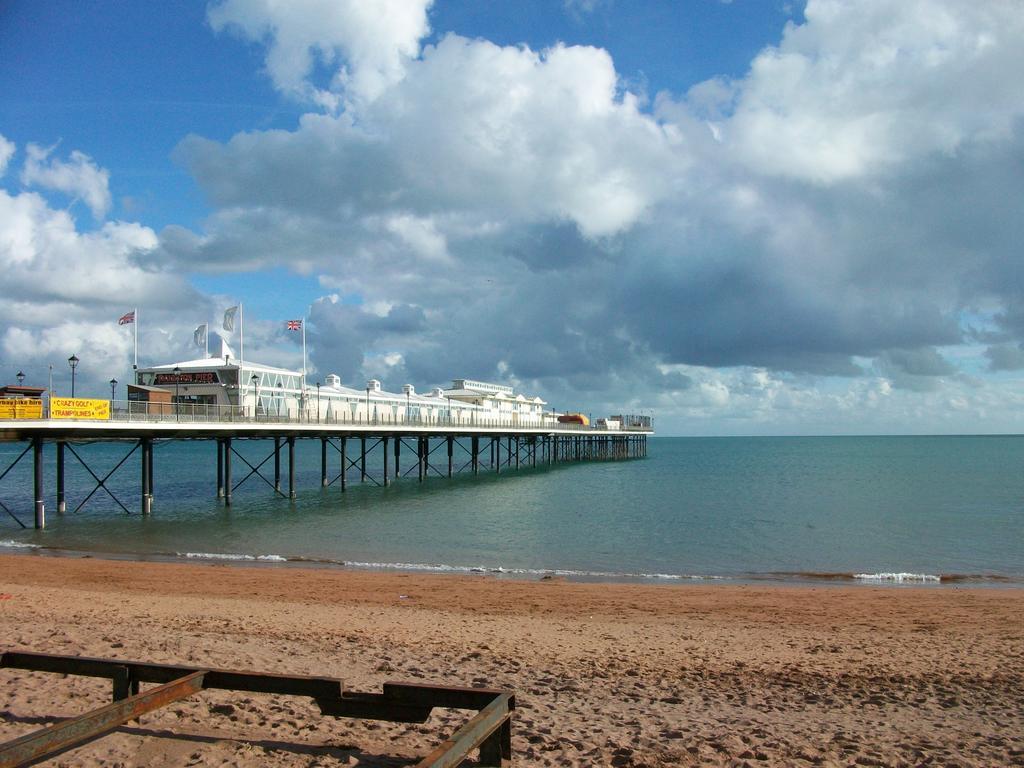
pixel 899 578
pixel 228 556
pixel 18 545
pixel 501 570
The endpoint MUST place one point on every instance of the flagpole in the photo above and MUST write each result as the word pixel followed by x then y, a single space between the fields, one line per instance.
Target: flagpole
pixel 135 365
pixel 241 338
pixel 305 403
pixel 206 340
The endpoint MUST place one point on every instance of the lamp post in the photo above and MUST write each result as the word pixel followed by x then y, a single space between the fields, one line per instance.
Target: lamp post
pixel 177 381
pixel 73 362
pixel 449 409
pixel 21 378
pixel 255 381
pixel 318 402
pixel 367 403
pixel 113 391
pixel 407 409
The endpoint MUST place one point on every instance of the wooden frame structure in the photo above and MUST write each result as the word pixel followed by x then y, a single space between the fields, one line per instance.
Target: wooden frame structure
pixel 489 730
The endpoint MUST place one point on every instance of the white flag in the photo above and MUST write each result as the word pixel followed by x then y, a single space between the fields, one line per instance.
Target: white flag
pixel 229 319
pixel 199 336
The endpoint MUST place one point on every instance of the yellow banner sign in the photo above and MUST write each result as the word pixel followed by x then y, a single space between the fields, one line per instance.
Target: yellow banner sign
pixel 79 408
pixel 21 408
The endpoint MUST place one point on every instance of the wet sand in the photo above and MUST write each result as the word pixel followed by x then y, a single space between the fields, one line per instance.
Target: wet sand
pixel 605 674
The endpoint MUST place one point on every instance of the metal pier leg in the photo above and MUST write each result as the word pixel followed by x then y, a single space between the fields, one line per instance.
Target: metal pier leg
pixel 291 467
pixel 149 468
pixel 37 456
pixel 492 453
pixel 475 457
pixel 344 464
pixel 517 449
pixel 227 471
pixel 419 456
pixel 323 462
pixel 61 502
pixel 384 442
pixel 362 459
pixel 398 451
pixel 277 464
pixel 144 462
pixel 451 448
pixel 496 454
pixel 220 468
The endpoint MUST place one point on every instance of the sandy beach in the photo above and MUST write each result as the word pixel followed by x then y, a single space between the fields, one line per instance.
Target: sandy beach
pixel 605 674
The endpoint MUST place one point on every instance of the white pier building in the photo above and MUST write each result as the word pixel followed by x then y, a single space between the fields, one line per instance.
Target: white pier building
pixel 252 390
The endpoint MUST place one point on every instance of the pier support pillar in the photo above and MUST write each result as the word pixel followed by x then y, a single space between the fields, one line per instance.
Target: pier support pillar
pixel 496 454
pixel 227 471
pixel 344 463
pixel 362 459
pixel 37 484
pixel 323 462
pixel 147 492
pixel 419 457
pixel 451 450
pixel 62 504
pixel 277 464
pixel 384 443
pixel 220 468
pixel 398 452
pixel 291 467
pixel 475 457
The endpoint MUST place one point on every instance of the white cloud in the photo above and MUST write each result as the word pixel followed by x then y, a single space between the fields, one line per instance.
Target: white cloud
pixel 367 45
pixel 79 177
pixel 802 260
pixel 65 289
pixel 862 87
pixel 6 153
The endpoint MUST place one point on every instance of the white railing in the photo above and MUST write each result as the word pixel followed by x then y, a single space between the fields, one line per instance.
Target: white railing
pixel 193 413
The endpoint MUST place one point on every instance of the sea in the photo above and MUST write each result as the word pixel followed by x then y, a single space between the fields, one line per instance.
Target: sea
pixel 870 510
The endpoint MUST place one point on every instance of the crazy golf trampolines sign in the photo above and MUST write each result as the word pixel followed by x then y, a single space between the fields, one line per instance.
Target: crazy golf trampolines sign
pixel 79 408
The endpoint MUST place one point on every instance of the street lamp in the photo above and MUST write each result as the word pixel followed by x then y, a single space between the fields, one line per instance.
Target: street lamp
pixel 255 381
pixel 367 403
pixel 21 378
pixel 449 409
pixel 113 391
pixel 177 381
pixel 73 362
pixel 407 409
pixel 318 402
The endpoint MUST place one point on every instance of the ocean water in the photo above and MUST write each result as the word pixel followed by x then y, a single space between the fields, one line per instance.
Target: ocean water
pixel 868 509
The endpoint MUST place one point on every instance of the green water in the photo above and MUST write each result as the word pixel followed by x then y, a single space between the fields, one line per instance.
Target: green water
pixel 734 508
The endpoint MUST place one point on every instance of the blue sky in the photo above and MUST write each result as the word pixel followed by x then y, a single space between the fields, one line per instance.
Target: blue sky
pixel 748 217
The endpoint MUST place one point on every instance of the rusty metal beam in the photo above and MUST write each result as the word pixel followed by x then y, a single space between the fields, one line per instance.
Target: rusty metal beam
pixel 79 730
pixel 489 730
pixel 490 721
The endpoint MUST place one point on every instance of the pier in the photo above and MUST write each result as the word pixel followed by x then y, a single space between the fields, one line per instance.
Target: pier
pixel 372 450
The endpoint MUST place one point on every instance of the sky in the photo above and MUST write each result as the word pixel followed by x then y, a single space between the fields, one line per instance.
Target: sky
pixel 744 217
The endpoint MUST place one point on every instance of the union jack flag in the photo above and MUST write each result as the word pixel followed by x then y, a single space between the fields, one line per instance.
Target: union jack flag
pixel 127 317
pixel 294 325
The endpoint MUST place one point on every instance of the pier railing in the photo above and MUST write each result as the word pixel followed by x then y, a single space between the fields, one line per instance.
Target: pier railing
pixel 201 413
